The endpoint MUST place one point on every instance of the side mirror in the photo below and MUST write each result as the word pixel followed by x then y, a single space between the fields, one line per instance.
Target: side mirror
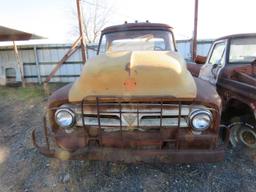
pixel 214 66
pixel 213 70
pixel 200 59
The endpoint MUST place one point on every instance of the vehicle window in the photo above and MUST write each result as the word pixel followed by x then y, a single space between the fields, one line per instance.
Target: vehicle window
pixel 242 50
pixel 103 45
pixel 137 40
pixel 217 56
pixel 142 43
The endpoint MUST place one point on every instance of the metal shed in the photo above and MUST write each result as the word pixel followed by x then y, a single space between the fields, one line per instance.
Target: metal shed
pixel 13 71
pixel 39 60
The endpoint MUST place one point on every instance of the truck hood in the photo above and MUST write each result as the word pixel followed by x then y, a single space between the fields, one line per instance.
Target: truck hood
pixel 138 73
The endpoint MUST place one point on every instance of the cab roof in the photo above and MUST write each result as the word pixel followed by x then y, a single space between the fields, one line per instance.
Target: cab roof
pixel 137 26
pixel 241 35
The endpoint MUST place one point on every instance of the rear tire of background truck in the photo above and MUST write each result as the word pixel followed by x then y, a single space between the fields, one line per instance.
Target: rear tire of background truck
pixel 242 132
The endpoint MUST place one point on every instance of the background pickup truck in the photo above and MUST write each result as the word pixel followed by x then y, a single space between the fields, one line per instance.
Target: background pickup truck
pixel 231 66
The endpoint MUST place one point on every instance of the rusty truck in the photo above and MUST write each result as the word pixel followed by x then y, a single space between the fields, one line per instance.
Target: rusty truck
pixel 231 67
pixel 135 101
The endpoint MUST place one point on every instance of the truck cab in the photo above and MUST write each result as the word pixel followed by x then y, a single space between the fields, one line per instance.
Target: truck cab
pixel 231 67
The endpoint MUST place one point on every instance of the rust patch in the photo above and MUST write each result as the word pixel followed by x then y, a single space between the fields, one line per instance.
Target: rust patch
pixel 130 84
pixel 253 68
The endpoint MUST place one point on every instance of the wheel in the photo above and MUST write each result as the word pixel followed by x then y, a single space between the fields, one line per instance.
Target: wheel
pixel 242 133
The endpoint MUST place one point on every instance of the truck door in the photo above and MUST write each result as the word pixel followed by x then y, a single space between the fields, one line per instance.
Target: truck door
pixel 215 62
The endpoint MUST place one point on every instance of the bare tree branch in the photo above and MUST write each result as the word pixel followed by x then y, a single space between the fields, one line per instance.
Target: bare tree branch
pixel 96 16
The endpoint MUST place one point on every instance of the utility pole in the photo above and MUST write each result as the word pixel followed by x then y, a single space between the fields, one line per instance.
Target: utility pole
pixel 194 47
pixel 72 50
pixel 81 29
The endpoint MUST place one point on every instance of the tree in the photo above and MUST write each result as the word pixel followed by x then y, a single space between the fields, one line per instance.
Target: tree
pixel 96 14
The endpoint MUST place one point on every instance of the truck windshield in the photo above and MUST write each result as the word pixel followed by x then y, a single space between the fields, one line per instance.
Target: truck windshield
pixel 242 50
pixel 139 40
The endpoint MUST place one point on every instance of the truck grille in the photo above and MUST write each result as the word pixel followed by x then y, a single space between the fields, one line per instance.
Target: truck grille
pixel 140 119
pixel 128 115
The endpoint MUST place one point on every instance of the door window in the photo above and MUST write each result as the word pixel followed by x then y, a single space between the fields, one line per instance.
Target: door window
pixel 217 56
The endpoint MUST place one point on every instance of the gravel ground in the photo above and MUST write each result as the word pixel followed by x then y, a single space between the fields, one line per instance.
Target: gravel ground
pixel 22 168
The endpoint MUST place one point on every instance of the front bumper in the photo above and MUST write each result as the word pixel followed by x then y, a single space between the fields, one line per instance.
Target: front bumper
pixel 134 155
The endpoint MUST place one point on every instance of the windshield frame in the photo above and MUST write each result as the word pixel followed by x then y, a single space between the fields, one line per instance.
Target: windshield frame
pixel 169 31
pixel 229 49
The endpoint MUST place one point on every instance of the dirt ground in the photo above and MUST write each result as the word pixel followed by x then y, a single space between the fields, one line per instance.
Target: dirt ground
pixel 22 168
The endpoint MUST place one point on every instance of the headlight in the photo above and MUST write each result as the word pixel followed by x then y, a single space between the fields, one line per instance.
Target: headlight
pixel 200 120
pixel 65 118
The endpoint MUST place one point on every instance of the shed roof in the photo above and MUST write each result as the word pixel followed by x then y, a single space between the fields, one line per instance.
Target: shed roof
pixel 8 34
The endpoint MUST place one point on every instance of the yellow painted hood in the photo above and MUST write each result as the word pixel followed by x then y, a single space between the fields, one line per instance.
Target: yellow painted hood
pixel 138 73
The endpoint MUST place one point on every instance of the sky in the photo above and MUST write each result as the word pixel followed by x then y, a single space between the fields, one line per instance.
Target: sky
pixel 55 19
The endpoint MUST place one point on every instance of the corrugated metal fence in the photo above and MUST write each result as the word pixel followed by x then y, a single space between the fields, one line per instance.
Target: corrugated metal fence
pixel 39 60
pixel 184 48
